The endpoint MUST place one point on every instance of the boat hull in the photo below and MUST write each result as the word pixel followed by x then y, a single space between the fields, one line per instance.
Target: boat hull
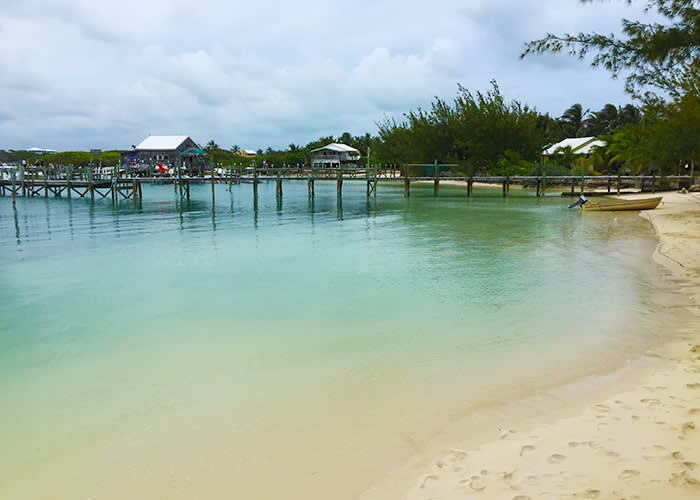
pixel 644 204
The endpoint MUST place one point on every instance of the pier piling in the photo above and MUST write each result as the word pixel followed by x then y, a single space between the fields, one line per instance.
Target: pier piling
pixel 436 187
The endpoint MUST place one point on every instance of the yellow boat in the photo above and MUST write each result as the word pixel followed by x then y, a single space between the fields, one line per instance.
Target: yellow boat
pixel 642 204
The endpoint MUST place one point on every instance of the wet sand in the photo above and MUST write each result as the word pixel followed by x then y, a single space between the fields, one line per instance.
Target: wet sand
pixel 635 435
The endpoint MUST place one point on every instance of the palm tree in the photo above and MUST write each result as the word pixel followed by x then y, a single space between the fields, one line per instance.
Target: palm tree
pixel 626 146
pixel 565 156
pixel 572 120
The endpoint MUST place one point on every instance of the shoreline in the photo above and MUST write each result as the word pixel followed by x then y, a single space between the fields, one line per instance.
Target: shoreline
pixel 634 433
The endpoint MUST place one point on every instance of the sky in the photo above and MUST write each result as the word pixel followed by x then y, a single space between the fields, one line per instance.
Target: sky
pixel 81 74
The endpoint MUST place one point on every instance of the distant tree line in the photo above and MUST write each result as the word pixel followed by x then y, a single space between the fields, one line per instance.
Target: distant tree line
pixel 76 158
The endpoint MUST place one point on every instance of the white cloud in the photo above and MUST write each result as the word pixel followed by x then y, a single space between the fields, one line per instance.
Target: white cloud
pixel 85 74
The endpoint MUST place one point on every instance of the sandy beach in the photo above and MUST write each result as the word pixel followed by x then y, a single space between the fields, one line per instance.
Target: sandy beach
pixel 634 434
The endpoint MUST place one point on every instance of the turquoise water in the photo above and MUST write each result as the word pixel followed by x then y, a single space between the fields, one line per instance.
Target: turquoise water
pixel 167 349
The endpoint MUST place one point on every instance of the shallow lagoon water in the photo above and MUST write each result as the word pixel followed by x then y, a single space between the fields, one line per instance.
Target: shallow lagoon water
pixel 170 349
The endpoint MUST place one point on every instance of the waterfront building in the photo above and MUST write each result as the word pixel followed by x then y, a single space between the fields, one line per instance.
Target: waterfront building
pixel 583 146
pixel 163 148
pixel 333 155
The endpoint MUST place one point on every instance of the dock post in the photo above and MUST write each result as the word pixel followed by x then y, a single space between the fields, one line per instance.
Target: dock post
pixel 340 181
pixel 653 183
pixel 470 182
pixel 213 197
pixel 609 183
pixel 618 182
pixel 14 190
pixel 179 177
pixel 539 185
pixel 368 170
pixel 113 185
pixel 279 184
pixel 375 181
pixel 21 177
pixel 310 183
pixel 92 187
pixel 255 184
pixel 436 187
pixel 544 184
pixel 69 175
pixel 406 183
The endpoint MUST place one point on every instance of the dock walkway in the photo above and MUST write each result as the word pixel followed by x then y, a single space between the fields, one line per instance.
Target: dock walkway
pixel 120 188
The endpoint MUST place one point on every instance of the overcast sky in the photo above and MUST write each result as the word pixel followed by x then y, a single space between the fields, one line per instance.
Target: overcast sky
pixel 82 74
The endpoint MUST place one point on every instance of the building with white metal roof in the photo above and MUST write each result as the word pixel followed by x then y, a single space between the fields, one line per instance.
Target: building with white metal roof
pixel 163 148
pixel 248 153
pixel 332 155
pixel 41 150
pixel 578 145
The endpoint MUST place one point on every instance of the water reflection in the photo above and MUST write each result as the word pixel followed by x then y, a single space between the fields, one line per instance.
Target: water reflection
pixel 14 212
pixel 340 207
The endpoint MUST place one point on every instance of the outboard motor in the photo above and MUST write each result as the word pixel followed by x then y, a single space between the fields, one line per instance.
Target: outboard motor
pixel 581 200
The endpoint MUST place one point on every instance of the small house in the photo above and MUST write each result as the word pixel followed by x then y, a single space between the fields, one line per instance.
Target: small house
pixel 246 153
pixel 583 146
pixel 163 148
pixel 333 155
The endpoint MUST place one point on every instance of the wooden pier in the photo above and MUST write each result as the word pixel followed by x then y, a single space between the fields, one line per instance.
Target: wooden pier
pixel 130 187
pixel 68 188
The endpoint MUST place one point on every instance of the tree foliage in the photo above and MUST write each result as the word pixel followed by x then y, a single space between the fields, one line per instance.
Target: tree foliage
pixel 477 129
pixel 662 56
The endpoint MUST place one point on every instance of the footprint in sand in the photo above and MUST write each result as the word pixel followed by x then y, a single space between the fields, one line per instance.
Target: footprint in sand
pixel 693 386
pixel 526 449
pixel 602 408
pixel 694 411
pixel 651 401
pixel 590 493
pixel 476 483
pixel 685 465
pixel 521 497
pixel 655 388
pixel 507 434
pixel 556 458
pixel 687 427
pixel 428 480
pixel 683 479
pixel 628 474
